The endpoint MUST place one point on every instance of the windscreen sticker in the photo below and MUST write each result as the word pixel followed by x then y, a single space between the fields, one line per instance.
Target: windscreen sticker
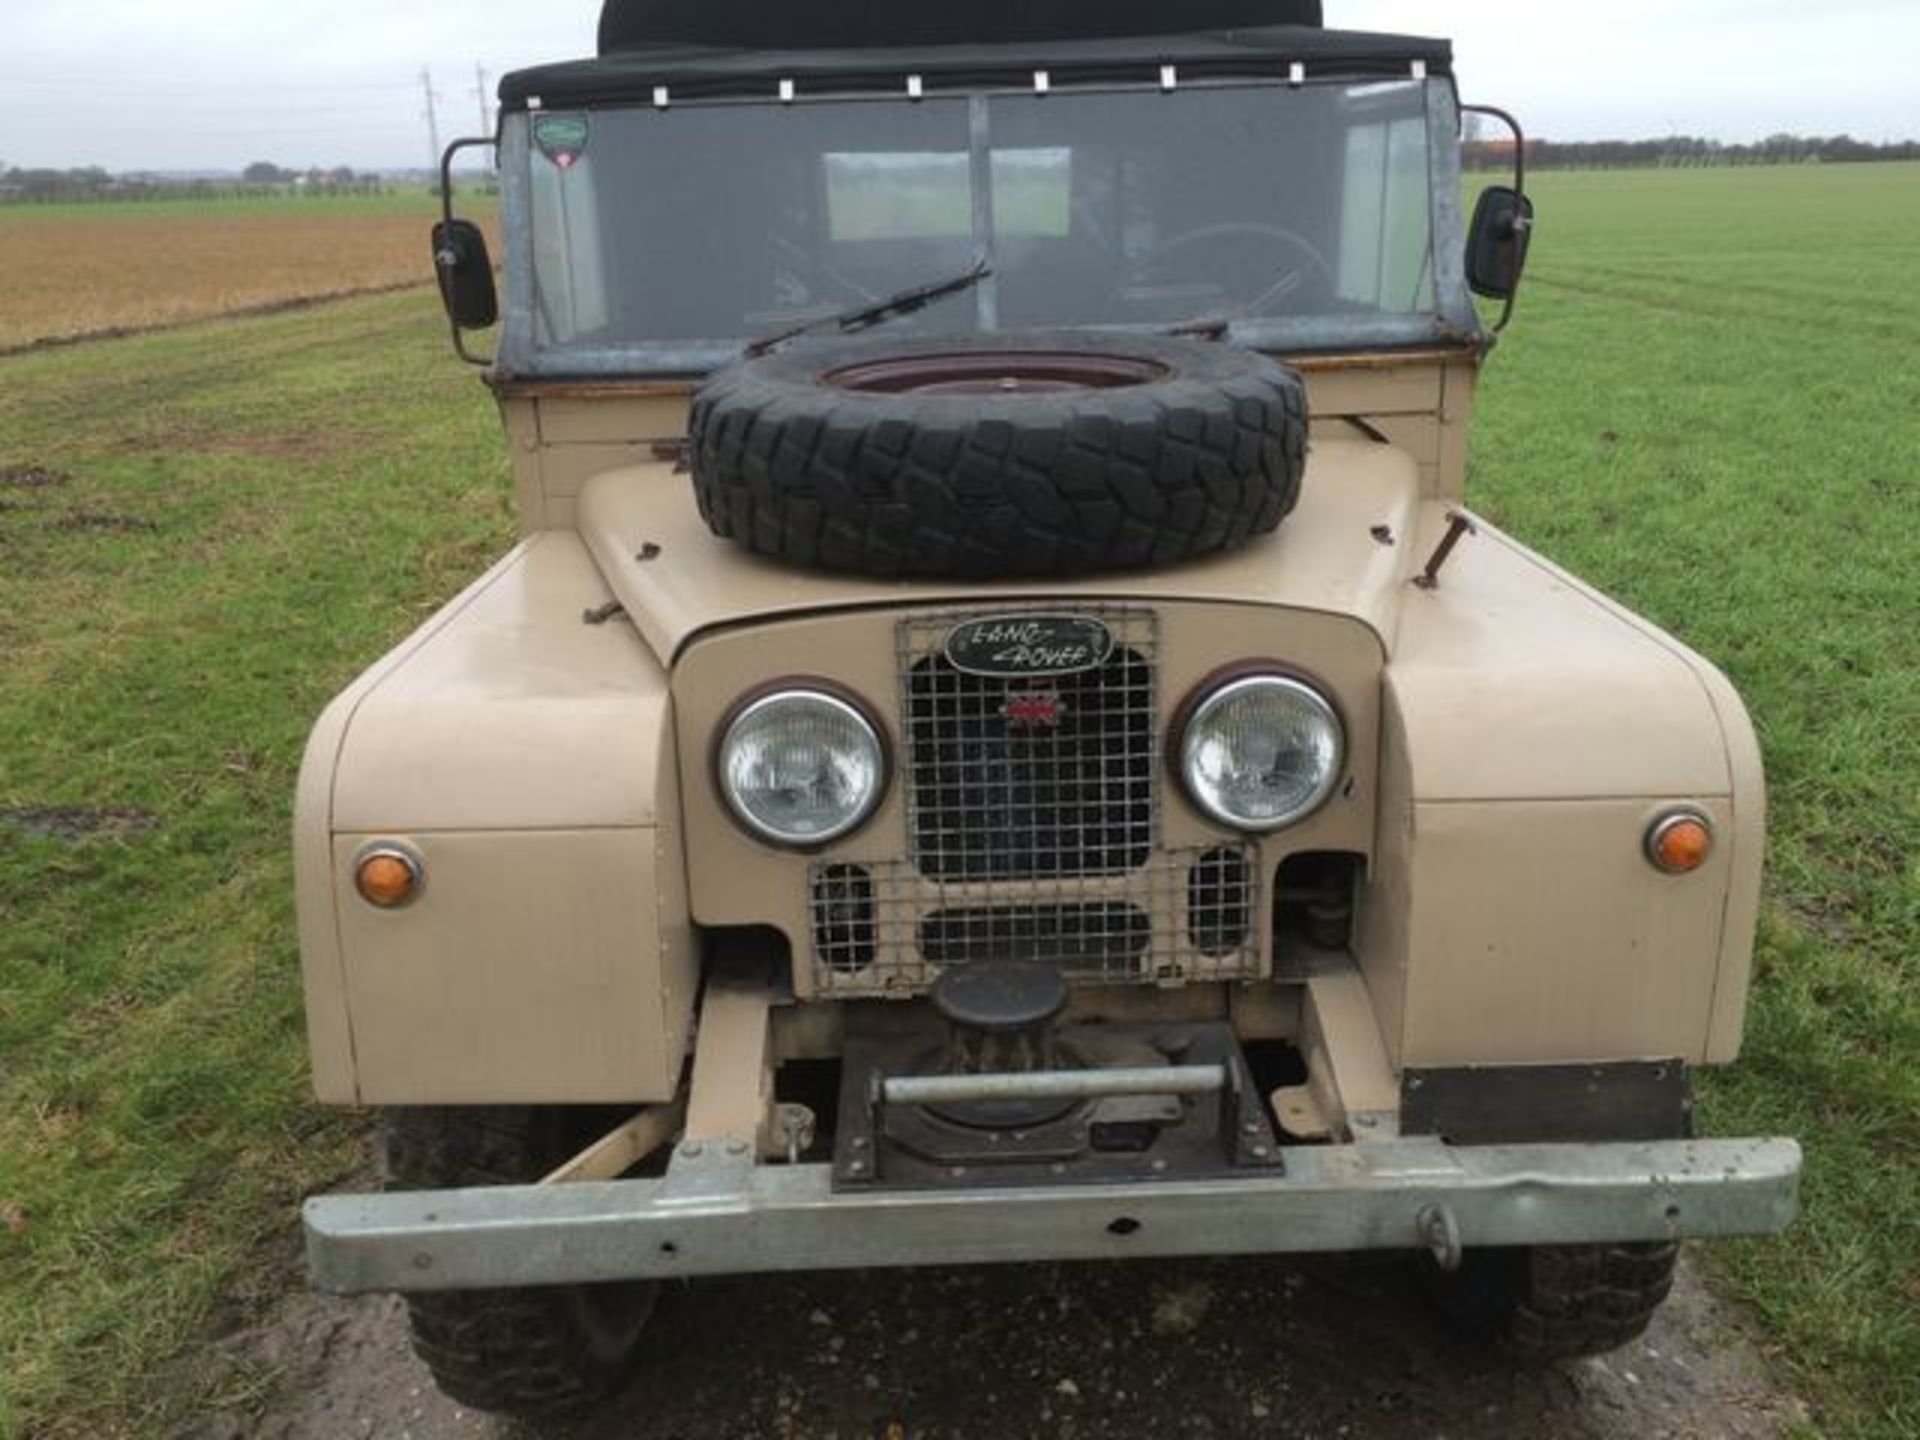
pixel 561 138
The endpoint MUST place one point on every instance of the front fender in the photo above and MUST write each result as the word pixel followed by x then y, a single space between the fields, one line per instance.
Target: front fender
pixel 1532 730
pixel 528 759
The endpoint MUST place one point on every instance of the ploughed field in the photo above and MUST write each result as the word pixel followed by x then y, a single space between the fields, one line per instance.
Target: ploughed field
pixel 81 269
pixel 1709 406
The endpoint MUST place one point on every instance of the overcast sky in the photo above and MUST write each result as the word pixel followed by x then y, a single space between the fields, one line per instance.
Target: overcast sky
pixel 136 84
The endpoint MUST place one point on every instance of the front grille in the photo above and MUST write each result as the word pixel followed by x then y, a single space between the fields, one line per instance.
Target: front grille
pixel 1032 833
pixel 1015 779
pixel 889 929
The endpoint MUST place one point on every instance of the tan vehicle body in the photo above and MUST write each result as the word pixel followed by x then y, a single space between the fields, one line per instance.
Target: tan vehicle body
pixel 1511 736
pixel 1297 864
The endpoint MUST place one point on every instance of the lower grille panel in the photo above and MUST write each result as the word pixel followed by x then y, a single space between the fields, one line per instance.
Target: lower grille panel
pixel 1097 937
pixel 887 929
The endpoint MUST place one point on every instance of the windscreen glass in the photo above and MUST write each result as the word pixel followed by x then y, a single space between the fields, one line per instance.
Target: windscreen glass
pixel 718 223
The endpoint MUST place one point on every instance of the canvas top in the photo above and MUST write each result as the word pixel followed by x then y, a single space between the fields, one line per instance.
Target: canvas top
pixel 717 55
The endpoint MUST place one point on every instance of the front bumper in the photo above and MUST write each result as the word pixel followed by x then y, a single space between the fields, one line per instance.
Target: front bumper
pixel 717 1213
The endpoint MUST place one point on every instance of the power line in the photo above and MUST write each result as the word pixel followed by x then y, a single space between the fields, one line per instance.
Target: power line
pixel 433 120
pixel 480 94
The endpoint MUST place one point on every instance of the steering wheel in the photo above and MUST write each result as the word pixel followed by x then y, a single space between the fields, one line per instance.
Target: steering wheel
pixel 1305 254
pixel 815 270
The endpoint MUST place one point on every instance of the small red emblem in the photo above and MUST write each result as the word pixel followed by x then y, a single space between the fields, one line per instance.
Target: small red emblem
pixel 1033 710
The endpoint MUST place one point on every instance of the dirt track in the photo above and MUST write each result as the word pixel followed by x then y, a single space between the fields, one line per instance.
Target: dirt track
pixel 1224 1348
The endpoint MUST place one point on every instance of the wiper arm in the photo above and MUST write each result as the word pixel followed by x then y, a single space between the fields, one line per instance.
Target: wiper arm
pixel 1216 326
pixel 907 302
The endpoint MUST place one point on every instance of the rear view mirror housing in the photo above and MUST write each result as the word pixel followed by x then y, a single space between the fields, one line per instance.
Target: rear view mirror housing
pixel 465 271
pixel 1497 242
pixel 461 262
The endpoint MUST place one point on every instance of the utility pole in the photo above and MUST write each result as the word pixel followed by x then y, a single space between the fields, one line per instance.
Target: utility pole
pixel 433 126
pixel 480 94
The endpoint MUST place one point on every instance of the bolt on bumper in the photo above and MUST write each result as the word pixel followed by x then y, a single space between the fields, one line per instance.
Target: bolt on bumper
pixel 719 1214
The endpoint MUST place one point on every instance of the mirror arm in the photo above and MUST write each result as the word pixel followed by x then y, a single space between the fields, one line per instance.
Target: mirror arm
pixel 445 259
pixel 1512 123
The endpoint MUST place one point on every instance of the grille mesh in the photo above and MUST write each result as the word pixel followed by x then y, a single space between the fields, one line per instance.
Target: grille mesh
pixel 1025 779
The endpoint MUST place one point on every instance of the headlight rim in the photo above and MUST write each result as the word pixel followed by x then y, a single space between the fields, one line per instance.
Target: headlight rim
pixel 814 687
pixel 1216 685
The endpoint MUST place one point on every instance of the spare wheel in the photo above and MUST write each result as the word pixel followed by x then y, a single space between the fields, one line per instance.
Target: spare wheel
pixel 998 455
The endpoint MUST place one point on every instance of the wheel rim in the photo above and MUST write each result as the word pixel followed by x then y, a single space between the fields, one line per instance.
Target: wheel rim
pixel 1003 372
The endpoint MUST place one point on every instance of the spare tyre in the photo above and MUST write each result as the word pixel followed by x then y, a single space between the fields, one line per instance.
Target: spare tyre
pixel 998 455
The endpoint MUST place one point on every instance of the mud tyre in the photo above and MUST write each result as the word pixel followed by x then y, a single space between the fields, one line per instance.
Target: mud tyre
pixel 1555 1302
pixel 993 456
pixel 537 1352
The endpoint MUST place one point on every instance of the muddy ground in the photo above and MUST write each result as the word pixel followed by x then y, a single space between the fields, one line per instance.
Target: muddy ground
pixel 1333 1348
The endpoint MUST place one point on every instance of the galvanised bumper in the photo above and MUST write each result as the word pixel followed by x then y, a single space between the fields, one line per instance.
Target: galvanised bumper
pixel 719 1214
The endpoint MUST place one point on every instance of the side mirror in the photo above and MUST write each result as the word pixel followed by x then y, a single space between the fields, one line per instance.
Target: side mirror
pixel 1497 242
pixel 461 261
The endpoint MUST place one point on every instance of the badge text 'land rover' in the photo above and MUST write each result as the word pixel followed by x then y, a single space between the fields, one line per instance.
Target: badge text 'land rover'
pixel 979 418
pixel 1029 645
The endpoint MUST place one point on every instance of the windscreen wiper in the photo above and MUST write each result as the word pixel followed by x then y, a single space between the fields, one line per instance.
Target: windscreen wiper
pixel 1217 325
pixel 907 302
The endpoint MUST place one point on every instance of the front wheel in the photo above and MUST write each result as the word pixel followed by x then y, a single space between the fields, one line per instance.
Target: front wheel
pixel 1555 1302
pixel 534 1351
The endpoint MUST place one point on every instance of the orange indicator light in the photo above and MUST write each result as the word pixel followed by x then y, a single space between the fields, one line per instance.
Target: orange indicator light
pixel 387 878
pixel 1679 843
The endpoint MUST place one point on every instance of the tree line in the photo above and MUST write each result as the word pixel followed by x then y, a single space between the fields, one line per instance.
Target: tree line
pixel 1686 150
pixel 261 180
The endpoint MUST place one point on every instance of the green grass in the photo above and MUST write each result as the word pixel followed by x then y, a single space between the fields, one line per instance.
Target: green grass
pixel 315 484
pixel 1709 406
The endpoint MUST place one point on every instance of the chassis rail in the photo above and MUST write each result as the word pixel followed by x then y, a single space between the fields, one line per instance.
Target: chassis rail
pixel 718 1213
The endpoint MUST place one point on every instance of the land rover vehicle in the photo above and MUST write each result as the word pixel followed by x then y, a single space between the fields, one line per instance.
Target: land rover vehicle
pixel 999 739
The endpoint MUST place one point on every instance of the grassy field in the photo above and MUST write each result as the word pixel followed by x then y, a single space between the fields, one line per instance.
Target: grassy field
pixel 203 534
pixel 80 269
pixel 1710 406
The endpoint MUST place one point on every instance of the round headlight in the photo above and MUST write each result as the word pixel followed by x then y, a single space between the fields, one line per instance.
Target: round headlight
pixel 1261 752
pixel 801 768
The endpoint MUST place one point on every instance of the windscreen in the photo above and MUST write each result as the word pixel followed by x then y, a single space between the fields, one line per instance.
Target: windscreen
pixel 713 224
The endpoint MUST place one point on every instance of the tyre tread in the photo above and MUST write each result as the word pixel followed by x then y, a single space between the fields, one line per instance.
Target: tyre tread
pixel 1589 1299
pixel 513 1351
pixel 897 486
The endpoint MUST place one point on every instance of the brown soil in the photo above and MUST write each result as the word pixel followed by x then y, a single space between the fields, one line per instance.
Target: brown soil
pixel 1337 1348
pixel 30 477
pixel 239 312
pixel 102 520
pixel 86 275
pixel 72 822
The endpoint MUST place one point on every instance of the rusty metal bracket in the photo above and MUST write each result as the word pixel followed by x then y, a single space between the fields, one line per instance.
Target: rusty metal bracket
pixel 1458 527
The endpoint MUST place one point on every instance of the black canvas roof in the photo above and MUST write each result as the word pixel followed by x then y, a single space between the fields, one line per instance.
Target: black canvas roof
pixel 689 70
pixel 894 24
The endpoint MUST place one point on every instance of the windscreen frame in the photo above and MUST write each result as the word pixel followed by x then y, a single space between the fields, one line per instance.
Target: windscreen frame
pixel 1453 321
